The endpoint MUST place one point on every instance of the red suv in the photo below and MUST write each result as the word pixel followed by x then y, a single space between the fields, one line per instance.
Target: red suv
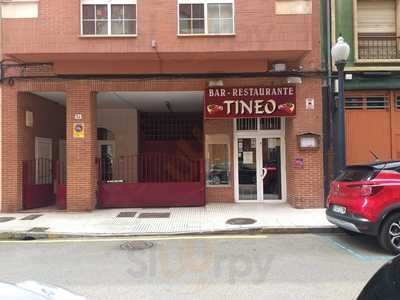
pixel 366 199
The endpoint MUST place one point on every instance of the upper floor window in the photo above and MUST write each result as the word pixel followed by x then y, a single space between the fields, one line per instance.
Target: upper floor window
pixel 198 17
pixel 108 17
pixel 376 30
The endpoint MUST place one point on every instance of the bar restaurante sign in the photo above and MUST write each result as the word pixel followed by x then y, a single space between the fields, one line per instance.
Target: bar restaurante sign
pixel 249 102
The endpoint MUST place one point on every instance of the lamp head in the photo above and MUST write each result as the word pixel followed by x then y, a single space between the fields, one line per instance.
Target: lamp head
pixel 340 51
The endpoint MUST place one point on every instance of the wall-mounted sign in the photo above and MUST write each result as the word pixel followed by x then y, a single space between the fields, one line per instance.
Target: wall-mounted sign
pixel 310 103
pixel 298 163
pixel 249 102
pixel 308 141
pixel 79 130
pixel 247 157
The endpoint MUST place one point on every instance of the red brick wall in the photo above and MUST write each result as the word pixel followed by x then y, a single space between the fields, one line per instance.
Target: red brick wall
pixel 12 143
pixel 48 122
pixel 305 186
pixel 261 38
pixel 81 152
pixel 57 30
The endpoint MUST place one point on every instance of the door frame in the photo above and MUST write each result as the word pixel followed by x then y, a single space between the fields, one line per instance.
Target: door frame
pixel 62 150
pixel 105 142
pixel 37 141
pixel 259 135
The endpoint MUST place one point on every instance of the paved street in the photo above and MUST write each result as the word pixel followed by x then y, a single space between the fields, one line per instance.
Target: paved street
pixel 304 266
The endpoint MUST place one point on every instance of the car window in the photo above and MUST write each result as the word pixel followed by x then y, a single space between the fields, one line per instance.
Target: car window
pixel 358 173
pixel 395 166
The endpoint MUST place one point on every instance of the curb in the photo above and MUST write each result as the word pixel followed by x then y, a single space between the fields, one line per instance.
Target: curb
pixel 26 236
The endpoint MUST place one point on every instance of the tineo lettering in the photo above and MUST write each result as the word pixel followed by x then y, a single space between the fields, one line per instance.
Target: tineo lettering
pixel 256 107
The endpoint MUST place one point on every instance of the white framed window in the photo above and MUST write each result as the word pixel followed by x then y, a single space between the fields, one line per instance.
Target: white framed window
pixel 206 17
pixel 108 18
pixel 218 162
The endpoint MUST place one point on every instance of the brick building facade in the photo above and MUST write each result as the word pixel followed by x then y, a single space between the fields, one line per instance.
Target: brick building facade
pixel 95 91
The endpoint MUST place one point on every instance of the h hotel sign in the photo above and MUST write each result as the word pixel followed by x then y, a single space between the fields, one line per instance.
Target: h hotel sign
pixel 249 102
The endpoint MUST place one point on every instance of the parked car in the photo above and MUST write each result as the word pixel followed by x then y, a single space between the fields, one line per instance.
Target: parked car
pixel 218 174
pixel 385 284
pixel 366 199
pixel 32 290
pixel 247 174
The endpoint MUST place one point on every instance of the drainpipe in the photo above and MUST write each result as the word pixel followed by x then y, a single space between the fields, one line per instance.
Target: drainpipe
pixel 328 99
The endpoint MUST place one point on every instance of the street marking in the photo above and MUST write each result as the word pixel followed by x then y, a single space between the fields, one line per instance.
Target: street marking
pixel 147 238
pixel 358 255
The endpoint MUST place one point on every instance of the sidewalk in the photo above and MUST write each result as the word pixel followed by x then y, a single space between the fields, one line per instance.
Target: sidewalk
pixel 211 219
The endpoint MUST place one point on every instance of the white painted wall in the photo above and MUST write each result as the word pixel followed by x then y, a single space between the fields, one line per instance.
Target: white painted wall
pixel 124 125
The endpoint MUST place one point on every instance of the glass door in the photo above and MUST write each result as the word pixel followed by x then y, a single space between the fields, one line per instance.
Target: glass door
pixel 106 154
pixel 247 168
pixel 271 169
pixel 259 168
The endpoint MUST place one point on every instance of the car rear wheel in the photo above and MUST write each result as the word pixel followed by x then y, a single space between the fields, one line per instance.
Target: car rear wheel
pixel 389 236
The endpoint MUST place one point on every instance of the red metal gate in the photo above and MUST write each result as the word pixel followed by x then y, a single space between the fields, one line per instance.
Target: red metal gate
pixel 43 183
pixel 151 180
pixel 37 183
pixel 61 185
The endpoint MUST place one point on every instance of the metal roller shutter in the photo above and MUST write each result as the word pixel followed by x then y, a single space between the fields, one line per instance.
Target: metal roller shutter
pixel 376 16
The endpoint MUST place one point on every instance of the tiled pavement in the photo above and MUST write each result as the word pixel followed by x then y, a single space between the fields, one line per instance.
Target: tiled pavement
pixel 208 219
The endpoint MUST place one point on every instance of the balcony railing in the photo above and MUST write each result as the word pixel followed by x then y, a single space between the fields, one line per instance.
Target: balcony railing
pixel 378 46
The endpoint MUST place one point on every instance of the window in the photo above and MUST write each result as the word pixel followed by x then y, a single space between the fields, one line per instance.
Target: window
pixel 376 29
pixel 108 18
pixel 218 161
pixel 354 103
pixel 218 168
pixel 368 102
pixel 191 18
pixel 197 17
pixel 246 124
pixel 377 102
pixel 272 123
pixel 220 18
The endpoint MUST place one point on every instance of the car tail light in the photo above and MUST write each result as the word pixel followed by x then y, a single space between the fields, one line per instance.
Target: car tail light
pixel 335 188
pixel 367 189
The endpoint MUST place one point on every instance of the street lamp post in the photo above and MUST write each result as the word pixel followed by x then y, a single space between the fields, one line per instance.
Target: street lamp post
pixel 340 53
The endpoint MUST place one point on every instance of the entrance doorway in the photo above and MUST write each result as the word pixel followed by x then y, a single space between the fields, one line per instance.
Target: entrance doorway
pixel 150 149
pixel 43 157
pixel 105 152
pixel 259 164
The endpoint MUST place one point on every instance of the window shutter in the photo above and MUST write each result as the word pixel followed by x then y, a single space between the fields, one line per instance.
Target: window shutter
pixel 376 16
